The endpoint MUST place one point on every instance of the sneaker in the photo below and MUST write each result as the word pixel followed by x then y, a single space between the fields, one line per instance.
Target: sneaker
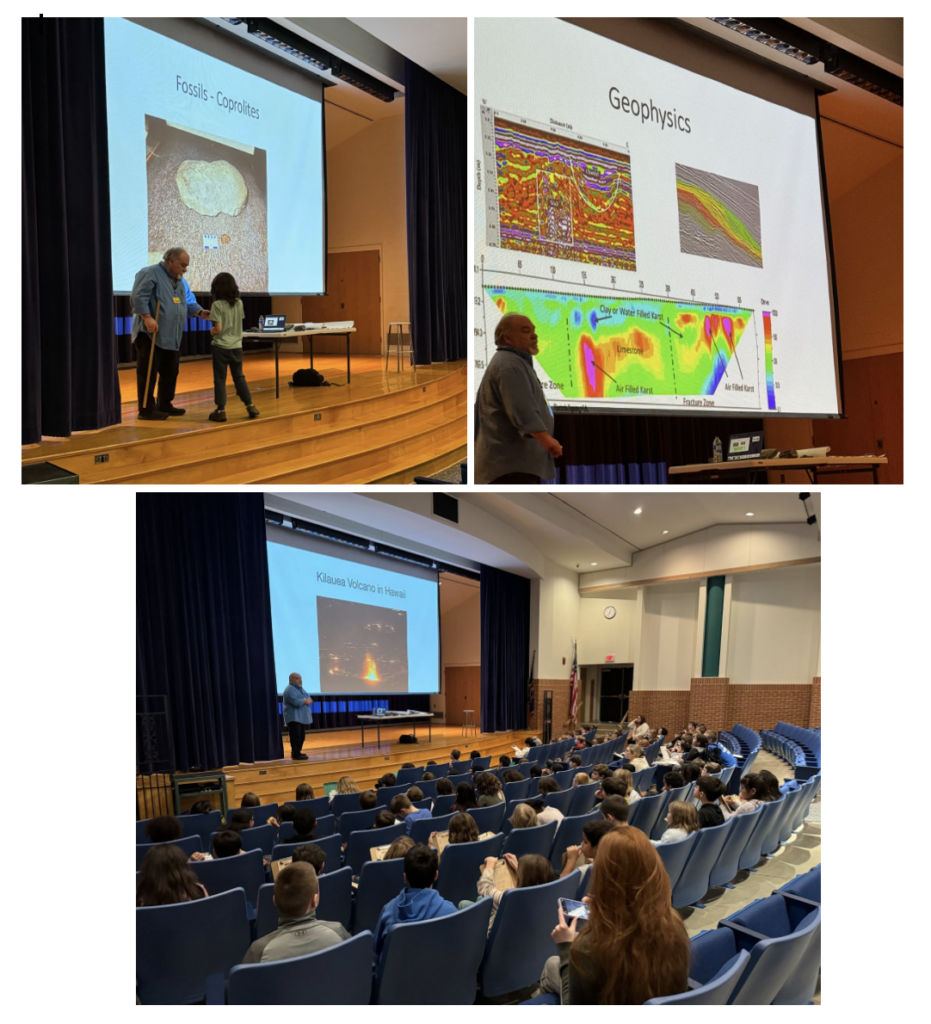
pixel 253 412
pixel 173 410
pixel 152 414
pixel 218 416
pixel 299 757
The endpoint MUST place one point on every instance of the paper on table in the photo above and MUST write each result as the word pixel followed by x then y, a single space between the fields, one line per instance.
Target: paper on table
pixel 504 878
pixel 442 840
pixel 378 852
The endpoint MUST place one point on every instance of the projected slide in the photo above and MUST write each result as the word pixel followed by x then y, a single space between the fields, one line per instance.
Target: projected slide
pixel 348 627
pixel 362 647
pixel 663 232
pixel 209 157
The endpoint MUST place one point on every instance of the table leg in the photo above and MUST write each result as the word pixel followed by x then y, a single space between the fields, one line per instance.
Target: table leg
pixel 430 729
pixel 363 731
pixel 348 376
pixel 875 474
pixel 277 343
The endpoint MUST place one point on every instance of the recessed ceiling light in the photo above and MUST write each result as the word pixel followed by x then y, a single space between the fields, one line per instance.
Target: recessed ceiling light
pixel 594 563
pixel 665 532
pixel 637 511
pixel 748 513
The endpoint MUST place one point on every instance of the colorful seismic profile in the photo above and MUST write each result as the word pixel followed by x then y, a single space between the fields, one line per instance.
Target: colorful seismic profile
pixel 718 217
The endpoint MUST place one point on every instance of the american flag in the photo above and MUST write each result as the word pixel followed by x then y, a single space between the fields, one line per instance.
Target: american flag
pixel 574 686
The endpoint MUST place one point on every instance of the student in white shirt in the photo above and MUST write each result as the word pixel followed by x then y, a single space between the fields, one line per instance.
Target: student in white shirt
pixel 682 820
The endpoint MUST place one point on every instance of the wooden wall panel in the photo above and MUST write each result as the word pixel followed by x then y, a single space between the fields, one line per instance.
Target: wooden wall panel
pixel 462 685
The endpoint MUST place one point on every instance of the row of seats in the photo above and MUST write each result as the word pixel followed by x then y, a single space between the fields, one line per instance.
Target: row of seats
pixel 798 746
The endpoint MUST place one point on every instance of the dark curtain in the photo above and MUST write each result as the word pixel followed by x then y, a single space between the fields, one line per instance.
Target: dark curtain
pixel 505 611
pixel 336 712
pixel 195 341
pixel 203 625
pixel 637 449
pixel 70 380
pixel 435 149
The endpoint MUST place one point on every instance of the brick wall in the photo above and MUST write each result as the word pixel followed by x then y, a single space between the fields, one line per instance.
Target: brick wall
pixel 560 688
pixel 708 702
pixel 669 708
pixel 814 708
pixel 761 707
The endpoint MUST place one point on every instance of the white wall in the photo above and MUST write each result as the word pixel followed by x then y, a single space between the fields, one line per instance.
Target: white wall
pixel 669 633
pixel 460 633
pixel 599 636
pixel 775 626
pixel 560 606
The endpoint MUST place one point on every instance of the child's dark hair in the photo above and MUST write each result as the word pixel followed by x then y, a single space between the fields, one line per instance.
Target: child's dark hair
pixel 224 288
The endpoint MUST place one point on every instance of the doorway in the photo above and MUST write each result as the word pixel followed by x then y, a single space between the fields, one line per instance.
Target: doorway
pixel 616 682
pixel 353 292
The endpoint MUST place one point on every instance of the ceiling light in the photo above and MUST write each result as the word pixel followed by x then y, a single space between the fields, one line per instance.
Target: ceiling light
pixel 748 513
pixel 665 532
pixel 594 563
pixel 637 511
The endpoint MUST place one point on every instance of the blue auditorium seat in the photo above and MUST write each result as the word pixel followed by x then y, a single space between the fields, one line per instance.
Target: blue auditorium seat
pixel 420 830
pixel 695 878
pixel 379 882
pixel 716 993
pixel 331 846
pixel 521 841
pixel 569 834
pixel 244 871
pixel 361 842
pixel 727 864
pixel 583 799
pixel 488 819
pixel 187 844
pixel 461 865
pixel 353 821
pixel 674 856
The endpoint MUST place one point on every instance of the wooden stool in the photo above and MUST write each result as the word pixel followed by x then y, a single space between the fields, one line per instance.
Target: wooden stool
pixel 468 722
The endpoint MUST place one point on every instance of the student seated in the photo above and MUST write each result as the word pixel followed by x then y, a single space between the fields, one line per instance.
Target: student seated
pixel 250 800
pixel 634 760
pixel 581 779
pixel 305 824
pixel 430 762
pixel 465 797
pixel 399 848
pixel 690 772
pixel 404 810
pixel 610 787
pixel 601 772
pixel 575 761
pixel 462 829
pixel 387 780
pixel 444 787
pixel 285 813
pixel 709 791
pixel 347 784
pixel 682 820
pixel 489 789
pixel 164 829
pixel 454 755
pixel 201 807
pixel 297 894
pixel 367 800
pixel 384 819
pixel 531 869
pixel 504 761
pixel 164 877
pixel 408 764
pixel 524 816
pixel 418 900
pixel 536 772
pixel 511 775
pixel 227 844
pixel 241 820
pixel 751 789
pixel 624 777
pixel 592 832
pixel 546 814
pixel 672 780
pixel 304 792
pixel 475 754
pixel 615 809
pixel 770 785
pixel 427 777
pixel 310 854
pixel 414 794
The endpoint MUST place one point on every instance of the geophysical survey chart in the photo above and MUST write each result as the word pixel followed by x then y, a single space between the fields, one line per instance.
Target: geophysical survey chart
pixel 662 270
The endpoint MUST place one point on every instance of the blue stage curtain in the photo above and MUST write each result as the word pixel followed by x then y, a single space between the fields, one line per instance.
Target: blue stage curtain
pixel 505 612
pixel 70 380
pixel 203 625
pixel 612 473
pixel 435 126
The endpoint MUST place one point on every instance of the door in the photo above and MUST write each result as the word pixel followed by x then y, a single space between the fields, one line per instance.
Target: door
pixel 462 685
pixel 353 293
pixel 616 684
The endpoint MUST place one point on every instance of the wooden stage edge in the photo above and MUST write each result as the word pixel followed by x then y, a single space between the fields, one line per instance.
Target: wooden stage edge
pixel 383 426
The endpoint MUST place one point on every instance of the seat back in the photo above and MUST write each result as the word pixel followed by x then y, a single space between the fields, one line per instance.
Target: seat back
pixel 674 856
pixel 773 822
pixel 408 776
pixel 386 794
pixel 353 821
pixel 524 768
pixel 328 978
pixel 774 964
pixel 808 886
pixel 259 837
pixel 481 763
pixel 202 825
pixel 361 842
pixel 565 778
pixel 320 805
pixel 751 852
pixel 521 841
pixel 672 794
pixel 417 942
pixel 423 805
pixel 262 813
pixel 420 830
pixel 172 959
pixel 728 862
pixel 645 811
pixel 488 819
pixel 569 834
pixel 643 779
pixel 330 845
pixel 787 821
pixel 336 897
pixel 583 799
pixel 519 942
pixel 516 790
pixel 463 767
pixel 188 844
pixel 442 804
pixel 715 993
pixel 583 885
pixel 379 882
pixel 428 788
pixel 461 866
pixel 244 871
pixel 439 770
pixel 694 880
pixel 345 802
pixel 325 826
pixel 560 801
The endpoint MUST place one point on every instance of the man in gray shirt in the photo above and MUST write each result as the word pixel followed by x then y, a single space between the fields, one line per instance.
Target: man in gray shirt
pixel 515 444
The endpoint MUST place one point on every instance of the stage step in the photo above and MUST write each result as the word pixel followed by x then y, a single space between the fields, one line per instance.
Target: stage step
pixel 255 451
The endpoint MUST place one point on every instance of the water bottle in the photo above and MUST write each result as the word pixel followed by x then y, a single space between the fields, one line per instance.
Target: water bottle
pixel 718 450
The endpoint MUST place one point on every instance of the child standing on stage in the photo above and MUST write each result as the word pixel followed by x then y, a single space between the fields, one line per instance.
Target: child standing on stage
pixel 226 314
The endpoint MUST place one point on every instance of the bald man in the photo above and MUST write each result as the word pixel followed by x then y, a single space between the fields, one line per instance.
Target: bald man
pixel 515 444
pixel 162 288
pixel 297 714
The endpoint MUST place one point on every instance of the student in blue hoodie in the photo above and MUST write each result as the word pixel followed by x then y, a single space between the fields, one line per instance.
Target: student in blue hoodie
pixel 418 900
pixel 404 810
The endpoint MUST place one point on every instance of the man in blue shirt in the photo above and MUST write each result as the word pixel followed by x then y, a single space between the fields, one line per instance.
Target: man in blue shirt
pixel 297 714
pixel 162 283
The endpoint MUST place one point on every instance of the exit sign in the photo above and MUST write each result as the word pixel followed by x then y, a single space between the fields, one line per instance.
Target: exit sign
pixel 609 657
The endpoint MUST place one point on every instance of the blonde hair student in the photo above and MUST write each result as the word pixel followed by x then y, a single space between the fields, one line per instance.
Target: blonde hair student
pixel 682 819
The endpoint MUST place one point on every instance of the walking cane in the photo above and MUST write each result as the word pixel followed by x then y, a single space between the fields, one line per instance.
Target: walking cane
pixel 148 376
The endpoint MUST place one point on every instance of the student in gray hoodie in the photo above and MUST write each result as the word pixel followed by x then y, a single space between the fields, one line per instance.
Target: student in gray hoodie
pixel 418 901
pixel 299 932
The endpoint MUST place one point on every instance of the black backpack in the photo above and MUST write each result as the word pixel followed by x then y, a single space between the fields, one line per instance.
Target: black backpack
pixel 308 379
